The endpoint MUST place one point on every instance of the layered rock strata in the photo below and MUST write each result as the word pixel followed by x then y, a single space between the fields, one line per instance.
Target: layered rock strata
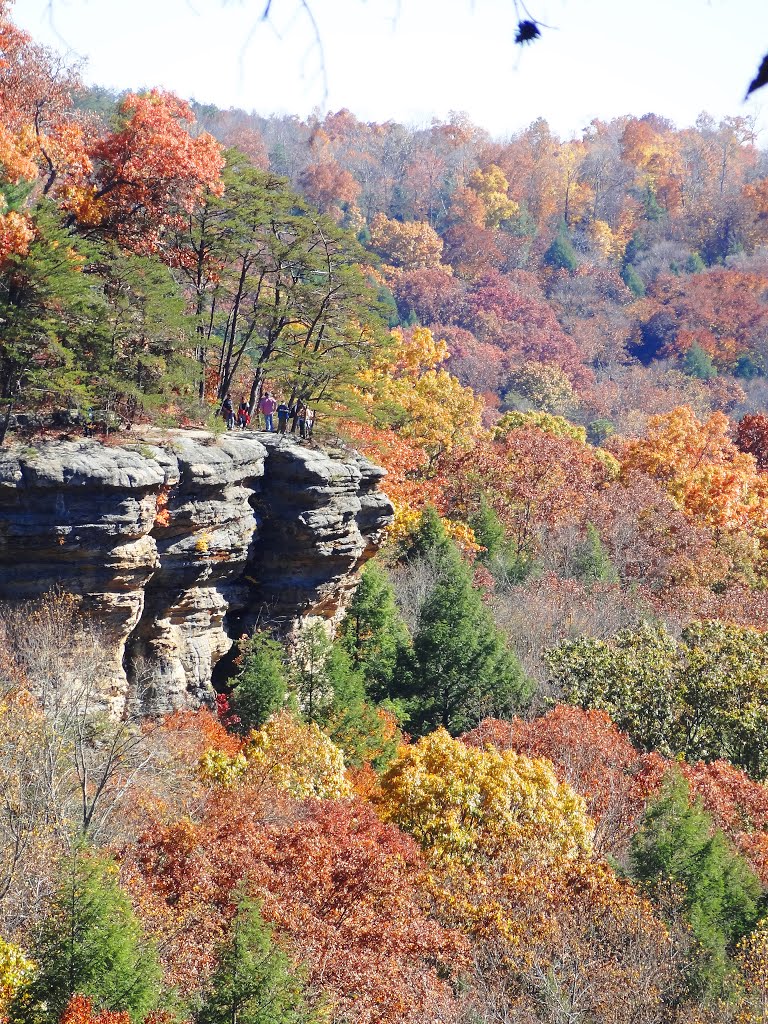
pixel 181 541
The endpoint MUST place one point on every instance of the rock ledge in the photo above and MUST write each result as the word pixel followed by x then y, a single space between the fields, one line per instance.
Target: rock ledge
pixel 183 540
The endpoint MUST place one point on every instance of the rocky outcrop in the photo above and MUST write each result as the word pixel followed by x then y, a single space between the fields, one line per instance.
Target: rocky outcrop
pixel 181 541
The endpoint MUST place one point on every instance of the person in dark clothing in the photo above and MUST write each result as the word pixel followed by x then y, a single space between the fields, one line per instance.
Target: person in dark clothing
pixel 228 412
pixel 301 419
pixel 283 412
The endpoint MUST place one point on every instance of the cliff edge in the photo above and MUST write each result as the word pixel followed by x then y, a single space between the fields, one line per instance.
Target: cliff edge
pixel 179 542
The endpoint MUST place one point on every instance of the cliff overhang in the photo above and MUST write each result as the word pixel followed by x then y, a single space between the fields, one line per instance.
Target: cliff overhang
pixel 180 541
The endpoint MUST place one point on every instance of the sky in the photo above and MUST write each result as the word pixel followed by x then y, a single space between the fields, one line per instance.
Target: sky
pixel 413 60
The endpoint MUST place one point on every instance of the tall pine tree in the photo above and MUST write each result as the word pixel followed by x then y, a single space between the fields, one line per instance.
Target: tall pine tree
pixel 683 861
pixel 260 686
pixel 90 943
pixel 460 668
pixel 254 982
pixel 373 633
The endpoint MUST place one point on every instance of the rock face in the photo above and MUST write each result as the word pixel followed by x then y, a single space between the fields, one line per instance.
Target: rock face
pixel 182 541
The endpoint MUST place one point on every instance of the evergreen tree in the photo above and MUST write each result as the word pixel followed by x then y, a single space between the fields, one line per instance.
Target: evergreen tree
pixel 351 721
pixel 308 675
pixel 698 363
pixel 461 668
pixel 633 281
pixel 429 539
pixel 694 264
pixel 254 982
pixel 561 255
pixel 146 334
pixel 260 687
pixel 677 856
pixel 373 633
pixel 90 943
pixel 598 431
pixel 489 531
pixel 51 315
pixel 653 209
pixel 592 563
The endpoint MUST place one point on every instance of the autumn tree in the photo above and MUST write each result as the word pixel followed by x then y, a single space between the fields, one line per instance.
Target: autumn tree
pixel 409 389
pixel 286 752
pixel 530 477
pixel 461 802
pixel 327 185
pixel 145 172
pixel 714 483
pixel 752 437
pixel 412 245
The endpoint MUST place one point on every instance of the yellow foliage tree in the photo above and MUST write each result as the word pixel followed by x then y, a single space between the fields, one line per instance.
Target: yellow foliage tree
pixel 411 392
pixel 752 961
pixel 492 188
pixel 543 384
pixel 295 756
pixel 410 245
pixel 15 970
pixel 558 426
pixel 465 804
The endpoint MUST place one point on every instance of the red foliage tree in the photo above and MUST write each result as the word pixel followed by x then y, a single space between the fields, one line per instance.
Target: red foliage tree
pixel 146 172
pixel 342 887
pixel 752 437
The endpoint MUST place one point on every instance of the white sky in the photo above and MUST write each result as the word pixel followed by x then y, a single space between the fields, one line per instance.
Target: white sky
pixel 410 60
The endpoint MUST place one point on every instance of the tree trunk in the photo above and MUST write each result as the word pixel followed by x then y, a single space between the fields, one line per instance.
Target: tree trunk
pixel 6 421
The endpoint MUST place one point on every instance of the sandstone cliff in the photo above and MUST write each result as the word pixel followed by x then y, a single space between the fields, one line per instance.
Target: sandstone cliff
pixel 181 541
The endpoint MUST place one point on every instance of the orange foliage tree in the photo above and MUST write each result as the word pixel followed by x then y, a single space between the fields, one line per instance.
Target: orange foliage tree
pixel 529 477
pixel 712 481
pixel 146 172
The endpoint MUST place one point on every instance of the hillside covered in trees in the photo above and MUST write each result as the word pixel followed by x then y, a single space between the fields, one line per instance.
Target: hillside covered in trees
pixel 525 781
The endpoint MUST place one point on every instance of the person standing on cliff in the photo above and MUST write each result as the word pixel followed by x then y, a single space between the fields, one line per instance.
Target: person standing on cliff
pixel 283 412
pixel 228 412
pixel 267 408
pixel 301 419
pixel 243 416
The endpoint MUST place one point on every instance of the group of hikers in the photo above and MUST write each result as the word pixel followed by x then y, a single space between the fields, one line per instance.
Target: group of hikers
pixel 300 416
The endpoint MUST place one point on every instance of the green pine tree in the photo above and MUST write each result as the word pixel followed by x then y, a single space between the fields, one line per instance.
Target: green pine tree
pixel 698 363
pixel 633 281
pixel 461 668
pixel 429 539
pixel 90 943
pixel 694 264
pixel 352 721
pixel 52 317
pixel 591 562
pixel 143 358
pixel 489 532
pixel 373 633
pixel 254 982
pixel 680 859
pixel 260 686
pixel 598 431
pixel 561 255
